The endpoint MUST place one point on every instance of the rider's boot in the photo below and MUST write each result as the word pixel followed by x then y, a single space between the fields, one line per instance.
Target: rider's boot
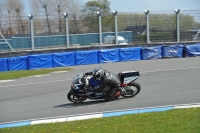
pixel 110 94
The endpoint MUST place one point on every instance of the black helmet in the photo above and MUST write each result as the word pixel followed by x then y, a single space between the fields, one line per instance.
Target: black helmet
pixel 98 73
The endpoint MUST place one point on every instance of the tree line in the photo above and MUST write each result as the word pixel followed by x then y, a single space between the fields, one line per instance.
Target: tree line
pixel 48 17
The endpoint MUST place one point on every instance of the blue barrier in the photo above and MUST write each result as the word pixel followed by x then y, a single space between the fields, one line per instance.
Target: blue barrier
pixel 175 51
pixel 130 54
pixel 63 59
pixel 40 61
pixel 109 55
pixel 18 63
pixel 95 57
pixel 3 64
pixel 192 50
pixel 151 53
pixel 86 57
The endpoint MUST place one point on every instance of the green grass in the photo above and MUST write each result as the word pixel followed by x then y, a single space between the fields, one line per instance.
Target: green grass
pixel 25 73
pixel 173 121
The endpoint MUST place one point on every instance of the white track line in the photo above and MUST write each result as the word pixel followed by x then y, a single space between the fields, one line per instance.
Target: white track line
pixel 98 114
pixel 59 72
pixel 170 70
pixel 37 76
pixel 3 81
pixel 35 83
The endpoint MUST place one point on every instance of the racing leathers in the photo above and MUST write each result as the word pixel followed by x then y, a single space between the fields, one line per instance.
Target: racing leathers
pixel 109 82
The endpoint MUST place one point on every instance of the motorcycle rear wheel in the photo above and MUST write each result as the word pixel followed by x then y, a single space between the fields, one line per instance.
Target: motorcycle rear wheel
pixel 131 90
pixel 73 97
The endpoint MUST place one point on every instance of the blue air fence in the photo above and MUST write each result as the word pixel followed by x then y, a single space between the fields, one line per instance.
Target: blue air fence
pixel 136 27
pixel 64 59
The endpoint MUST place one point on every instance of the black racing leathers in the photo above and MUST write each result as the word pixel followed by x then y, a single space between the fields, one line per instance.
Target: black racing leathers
pixel 108 79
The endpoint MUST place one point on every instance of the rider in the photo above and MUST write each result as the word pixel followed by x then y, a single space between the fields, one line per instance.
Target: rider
pixel 106 79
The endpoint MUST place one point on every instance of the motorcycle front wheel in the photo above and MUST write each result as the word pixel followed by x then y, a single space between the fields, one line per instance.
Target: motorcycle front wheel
pixel 131 90
pixel 73 97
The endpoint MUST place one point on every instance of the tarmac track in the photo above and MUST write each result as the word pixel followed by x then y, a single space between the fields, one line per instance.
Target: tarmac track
pixel 163 82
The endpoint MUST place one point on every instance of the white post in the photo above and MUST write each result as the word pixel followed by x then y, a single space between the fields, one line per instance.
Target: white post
pixel 116 30
pixel 32 32
pixel 100 28
pixel 147 25
pixel 177 24
pixel 67 29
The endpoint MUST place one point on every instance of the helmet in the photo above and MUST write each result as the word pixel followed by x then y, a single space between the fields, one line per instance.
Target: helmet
pixel 97 73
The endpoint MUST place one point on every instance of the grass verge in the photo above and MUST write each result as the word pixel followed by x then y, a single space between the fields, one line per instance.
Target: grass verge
pixel 25 73
pixel 173 121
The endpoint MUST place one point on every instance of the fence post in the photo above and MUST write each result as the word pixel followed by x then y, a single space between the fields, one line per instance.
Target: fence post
pixel 32 32
pixel 116 30
pixel 147 24
pixel 67 29
pixel 100 28
pixel 177 24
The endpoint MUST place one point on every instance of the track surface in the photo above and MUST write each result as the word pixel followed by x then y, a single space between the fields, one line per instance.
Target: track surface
pixel 163 82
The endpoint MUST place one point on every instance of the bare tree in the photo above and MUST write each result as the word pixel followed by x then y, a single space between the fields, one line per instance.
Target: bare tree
pixel 59 6
pixel 7 5
pixel 34 7
pixel 1 30
pixel 46 5
pixel 18 8
pixel 74 8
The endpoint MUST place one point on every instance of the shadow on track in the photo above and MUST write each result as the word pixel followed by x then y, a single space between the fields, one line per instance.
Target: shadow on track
pixel 72 105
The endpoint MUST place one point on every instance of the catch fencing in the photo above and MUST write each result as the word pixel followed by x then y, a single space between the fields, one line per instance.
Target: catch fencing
pixel 65 31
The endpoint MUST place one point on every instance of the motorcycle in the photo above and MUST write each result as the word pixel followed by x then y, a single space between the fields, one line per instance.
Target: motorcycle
pixel 82 87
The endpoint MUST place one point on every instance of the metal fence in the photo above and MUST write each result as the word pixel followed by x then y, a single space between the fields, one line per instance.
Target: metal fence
pixel 32 32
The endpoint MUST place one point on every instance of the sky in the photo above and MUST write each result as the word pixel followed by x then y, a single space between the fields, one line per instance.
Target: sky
pixel 152 5
pixel 141 5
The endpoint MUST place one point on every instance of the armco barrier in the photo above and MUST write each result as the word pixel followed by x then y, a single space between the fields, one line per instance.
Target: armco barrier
pixel 97 115
pixel 96 56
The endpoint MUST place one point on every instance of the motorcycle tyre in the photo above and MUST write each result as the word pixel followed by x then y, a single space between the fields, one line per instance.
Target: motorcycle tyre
pixel 135 84
pixel 74 101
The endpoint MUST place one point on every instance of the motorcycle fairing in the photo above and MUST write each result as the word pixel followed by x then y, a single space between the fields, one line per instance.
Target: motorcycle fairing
pixel 129 76
pixel 94 82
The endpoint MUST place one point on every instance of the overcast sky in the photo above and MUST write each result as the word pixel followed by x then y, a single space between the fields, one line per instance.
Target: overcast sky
pixel 152 5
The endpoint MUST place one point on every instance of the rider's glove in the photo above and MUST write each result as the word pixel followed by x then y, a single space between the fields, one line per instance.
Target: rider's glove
pixel 83 79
